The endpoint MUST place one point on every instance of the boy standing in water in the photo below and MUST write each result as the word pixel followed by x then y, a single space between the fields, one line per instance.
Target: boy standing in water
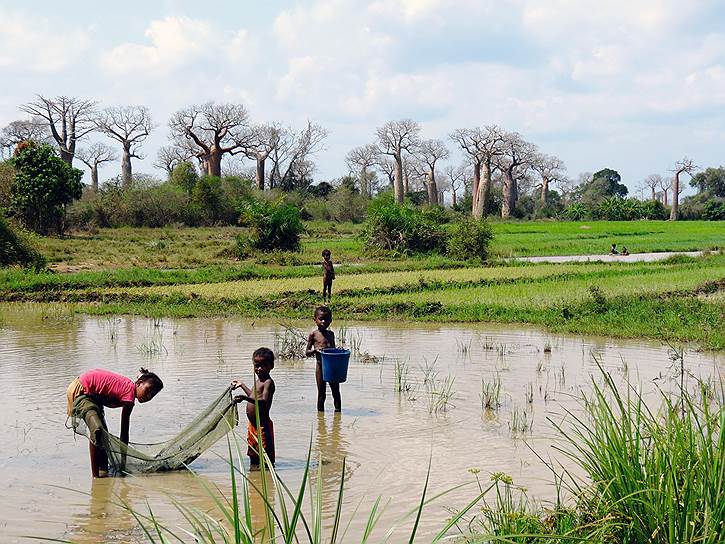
pixel 328 274
pixel 261 395
pixel 318 340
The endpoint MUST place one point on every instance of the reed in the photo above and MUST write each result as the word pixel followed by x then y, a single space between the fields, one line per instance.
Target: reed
pixel 491 393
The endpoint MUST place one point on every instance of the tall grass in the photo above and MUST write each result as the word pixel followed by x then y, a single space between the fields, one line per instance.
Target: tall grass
pixel 660 474
pixel 286 519
pixel 652 475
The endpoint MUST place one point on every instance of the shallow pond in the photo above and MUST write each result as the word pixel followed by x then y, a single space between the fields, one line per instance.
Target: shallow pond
pixel 386 436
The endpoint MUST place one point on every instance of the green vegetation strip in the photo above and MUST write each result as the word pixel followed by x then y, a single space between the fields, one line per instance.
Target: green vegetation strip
pixel 678 300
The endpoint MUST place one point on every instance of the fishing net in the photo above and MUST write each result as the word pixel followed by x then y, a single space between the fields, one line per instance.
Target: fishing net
pixel 209 426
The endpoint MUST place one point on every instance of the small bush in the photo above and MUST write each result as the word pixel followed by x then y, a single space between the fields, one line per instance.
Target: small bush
pixel 401 228
pixel 274 226
pixel 15 248
pixel 469 239
pixel 714 210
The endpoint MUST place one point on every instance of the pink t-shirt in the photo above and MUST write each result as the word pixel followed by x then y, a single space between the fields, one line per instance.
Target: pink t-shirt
pixel 113 390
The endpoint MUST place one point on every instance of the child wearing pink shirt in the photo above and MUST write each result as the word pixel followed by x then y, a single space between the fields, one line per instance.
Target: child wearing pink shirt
pixel 90 392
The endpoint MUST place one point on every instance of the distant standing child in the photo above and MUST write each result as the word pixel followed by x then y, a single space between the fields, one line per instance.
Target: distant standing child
pixel 263 392
pixel 318 340
pixel 613 250
pixel 90 392
pixel 328 274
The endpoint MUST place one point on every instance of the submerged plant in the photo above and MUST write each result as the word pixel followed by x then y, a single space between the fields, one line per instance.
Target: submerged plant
pixel 291 343
pixel 491 393
pixel 440 393
pixel 522 421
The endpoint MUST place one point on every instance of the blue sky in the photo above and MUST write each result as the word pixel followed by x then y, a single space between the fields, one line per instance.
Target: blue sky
pixel 631 85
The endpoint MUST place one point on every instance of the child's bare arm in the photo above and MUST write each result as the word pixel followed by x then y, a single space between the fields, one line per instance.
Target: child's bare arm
pixel 240 383
pixel 310 350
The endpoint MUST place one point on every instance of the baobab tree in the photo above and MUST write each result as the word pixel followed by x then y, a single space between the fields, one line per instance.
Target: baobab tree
pixel 387 167
pixel 93 156
pixel 211 130
pixel 551 170
pixel 653 182
pixel 430 152
pixel 482 145
pixel 683 166
pixel 518 156
pixel 23 130
pixel 264 140
pixel 457 178
pixel 394 139
pixel 130 126
pixel 169 156
pixel 69 119
pixel 360 160
pixel 291 157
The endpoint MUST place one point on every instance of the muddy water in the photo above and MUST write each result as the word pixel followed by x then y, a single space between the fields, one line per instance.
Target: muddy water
pixel 387 437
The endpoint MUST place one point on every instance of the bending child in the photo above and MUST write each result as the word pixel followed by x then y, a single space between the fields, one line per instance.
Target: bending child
pixel 328 274
pixel 261 395
pixel 89 393
pixel 318 340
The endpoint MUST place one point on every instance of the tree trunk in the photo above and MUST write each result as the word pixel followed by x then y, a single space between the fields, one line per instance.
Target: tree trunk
pixel 364 183
pixel 544 190
pixel 66 156
pixel 654 196
pixel 94 178
pixel 674 212
pixel 126 174
pixel 453 198
pixel 214 163
pixel 260 173
pixel 398 186
pixel 664 196
pixel 476 209
pixel 432 190
pixel 485 188
pixel 507 204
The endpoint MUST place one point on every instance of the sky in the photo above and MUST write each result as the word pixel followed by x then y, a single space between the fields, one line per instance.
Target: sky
pixel 632 85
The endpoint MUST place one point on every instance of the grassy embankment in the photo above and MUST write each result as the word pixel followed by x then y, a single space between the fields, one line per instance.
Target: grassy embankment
pixel 676 300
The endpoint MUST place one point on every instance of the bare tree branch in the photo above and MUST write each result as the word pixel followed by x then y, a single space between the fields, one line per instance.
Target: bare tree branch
pixel 395 138
pixel 129 125
pixel 69 119
pixel 95 155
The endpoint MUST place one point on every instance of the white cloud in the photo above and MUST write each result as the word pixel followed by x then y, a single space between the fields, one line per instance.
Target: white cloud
pixel 38 44
pixel 177 43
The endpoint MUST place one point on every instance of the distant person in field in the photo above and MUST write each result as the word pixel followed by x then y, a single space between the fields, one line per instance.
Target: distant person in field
pixel 319 339
pixel 261 395
pixel 625 251
pixel 328 274
pixel 613 250
pixel 90 392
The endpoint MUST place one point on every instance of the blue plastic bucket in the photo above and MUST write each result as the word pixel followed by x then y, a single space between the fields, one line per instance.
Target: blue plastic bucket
pixel 334 364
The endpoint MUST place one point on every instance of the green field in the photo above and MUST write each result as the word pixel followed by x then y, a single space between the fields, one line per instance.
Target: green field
pixel 194 247
pixel 191 272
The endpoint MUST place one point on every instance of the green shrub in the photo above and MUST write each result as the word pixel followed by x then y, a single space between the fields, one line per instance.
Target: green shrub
pixel 576 212
pixel 401 228
pixel 469 239
pixel 654 209
pixel 714 210
pixel 346 204
pixel 42 186
pixel 273 226
pixel 15 248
